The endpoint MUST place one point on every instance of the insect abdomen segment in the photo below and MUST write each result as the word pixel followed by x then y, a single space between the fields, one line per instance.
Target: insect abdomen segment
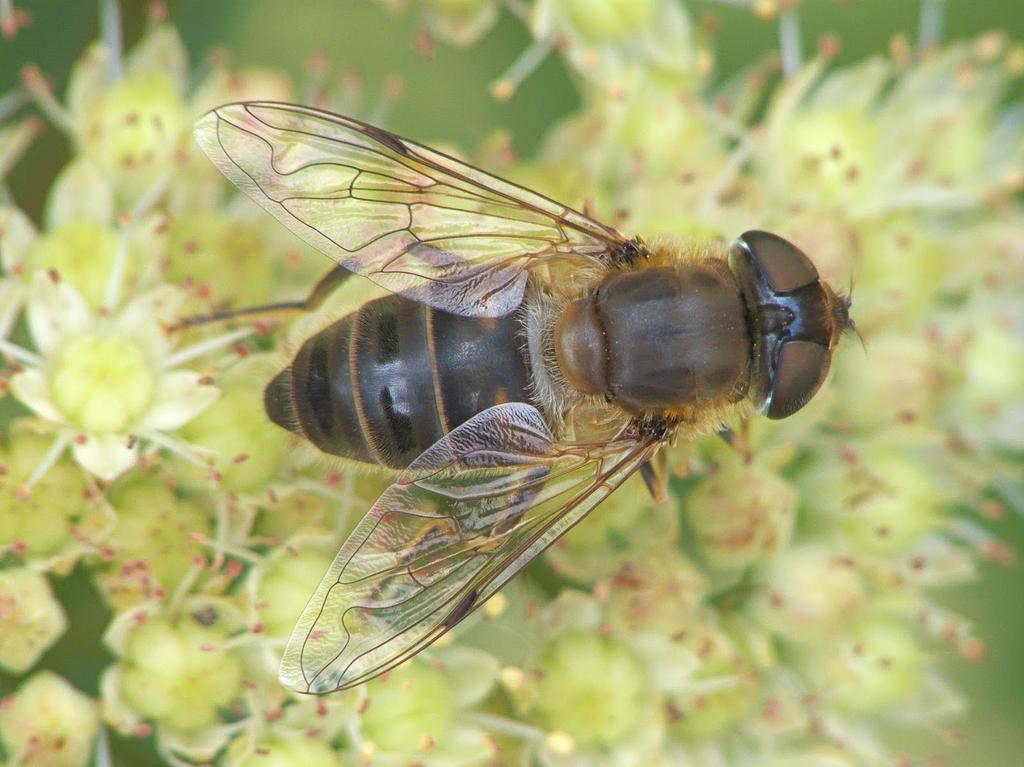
pixel 384 383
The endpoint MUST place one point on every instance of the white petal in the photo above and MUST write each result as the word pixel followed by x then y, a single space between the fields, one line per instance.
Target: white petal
pixel 105 456
pixel 80 191
pixel 146 318
pixel 17 235
pixel 180 397
pixel 12 296
pixel 55 311
pixel 30 388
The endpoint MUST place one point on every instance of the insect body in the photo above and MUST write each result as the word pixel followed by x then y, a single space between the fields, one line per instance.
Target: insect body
pixel 530 360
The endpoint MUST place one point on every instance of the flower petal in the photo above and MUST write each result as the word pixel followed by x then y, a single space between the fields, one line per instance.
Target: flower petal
pixel 55 310
pixel 179 398
pixel 30 388
pixel 146 317
pixel 17 235
pixel 105 456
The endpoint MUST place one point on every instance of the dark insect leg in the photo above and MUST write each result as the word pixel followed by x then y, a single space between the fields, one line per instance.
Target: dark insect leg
pixel 327 284
pixel 738 439
pixel 655 473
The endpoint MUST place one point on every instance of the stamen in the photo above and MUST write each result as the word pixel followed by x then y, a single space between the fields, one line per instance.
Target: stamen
pixel 116 278
pixel 60 444
pixel 505 86
pixel 789 41
pixel 739 157
pixel 930 24
pixel 39 90
pixel 180 448
pixel 207 346
pixel 110 32
pixel 101 753
pixel 508 727
pixel 11 102
pixel 18 353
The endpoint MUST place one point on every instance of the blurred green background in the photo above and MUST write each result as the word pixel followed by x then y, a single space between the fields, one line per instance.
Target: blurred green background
pixel 446 98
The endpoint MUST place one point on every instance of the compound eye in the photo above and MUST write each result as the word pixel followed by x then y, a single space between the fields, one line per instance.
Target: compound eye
pixel 800 371
pixel 784 265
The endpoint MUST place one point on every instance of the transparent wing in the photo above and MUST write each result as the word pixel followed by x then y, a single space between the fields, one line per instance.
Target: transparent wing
pixel 464 518
pixel 413 220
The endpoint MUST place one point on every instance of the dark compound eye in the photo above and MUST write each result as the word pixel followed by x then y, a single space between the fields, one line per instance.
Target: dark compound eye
pixel 784 265
pixel 801 369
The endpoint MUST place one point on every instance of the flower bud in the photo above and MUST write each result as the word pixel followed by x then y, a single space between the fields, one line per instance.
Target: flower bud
pixel 876 665
pixel 408 708
pixel 133 132
pixel 808 594
pixel 741 514
pixel 41 522
pixel 287 581
pixel 175 673
pixel 659 591
pixel 31 618
pixel 211 250
pixel 81 252
pixel 48 723
pixel 287 752
pixel 724 688
pixel 898 504
pixel 627 522
pixel 153 542
pixel 590 687
pixel 251 448
pixel 609 20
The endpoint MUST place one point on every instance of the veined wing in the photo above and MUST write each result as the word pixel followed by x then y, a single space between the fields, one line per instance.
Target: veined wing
pixel 413 220
pixel 463 519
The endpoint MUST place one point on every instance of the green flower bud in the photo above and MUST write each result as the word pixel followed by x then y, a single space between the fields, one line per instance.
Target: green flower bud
pixel 993 367
pixel 899 503
pixel 82 252
pixel 287 581
pixel 211 250
pixel 742 514
pixel 286 752
pixel 602 21
pixel 48 723
pixel 725 686
pixel 877 665
pixel 629 521
pixel 134 130
pixel 827 157
pixel 808 594
pixel 102 384
pixel 153 542
pixel 40 523
pixel 251 448
pixel 901 270
pixel 408 710
pixel 590 687
pixel 31 618
pixel 660 591
pixel 898 385
pixel 176 674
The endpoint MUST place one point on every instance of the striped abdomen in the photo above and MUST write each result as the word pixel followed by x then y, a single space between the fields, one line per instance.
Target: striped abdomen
pixel 384 383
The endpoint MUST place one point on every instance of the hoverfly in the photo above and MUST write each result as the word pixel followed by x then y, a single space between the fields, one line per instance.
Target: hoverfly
pixel 528 360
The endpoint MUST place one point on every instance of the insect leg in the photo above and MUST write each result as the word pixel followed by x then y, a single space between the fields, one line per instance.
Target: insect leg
pixel 655 474
pixel 327 284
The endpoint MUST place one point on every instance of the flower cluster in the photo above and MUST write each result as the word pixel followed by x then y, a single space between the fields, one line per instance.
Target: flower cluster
pixel 779 609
